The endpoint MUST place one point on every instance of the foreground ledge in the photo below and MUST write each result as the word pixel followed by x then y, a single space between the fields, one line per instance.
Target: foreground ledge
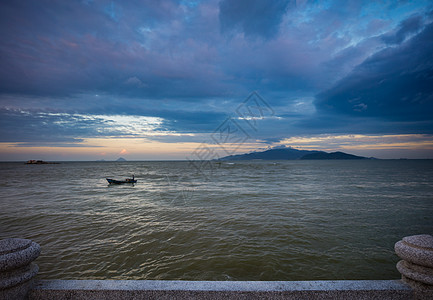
pixel 155 289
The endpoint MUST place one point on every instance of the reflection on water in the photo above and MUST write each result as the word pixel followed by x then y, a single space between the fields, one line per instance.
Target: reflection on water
pixel 280 220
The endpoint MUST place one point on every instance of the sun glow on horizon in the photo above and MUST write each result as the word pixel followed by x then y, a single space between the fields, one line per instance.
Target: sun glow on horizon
pixel 380 146
pixel 371 145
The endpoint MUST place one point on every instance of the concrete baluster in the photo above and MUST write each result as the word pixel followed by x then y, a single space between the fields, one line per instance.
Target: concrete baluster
pixel 416 266
pixel 16 267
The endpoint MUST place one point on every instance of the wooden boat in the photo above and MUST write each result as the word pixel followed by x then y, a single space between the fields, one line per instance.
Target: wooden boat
pixel 127 180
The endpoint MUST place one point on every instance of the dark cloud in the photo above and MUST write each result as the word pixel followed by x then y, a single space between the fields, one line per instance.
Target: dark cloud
pixel 345 60
pixel 133 48
pixel 255 18
pixel 407 27
pixel 34 127
pixel 171 50
pixel 395 84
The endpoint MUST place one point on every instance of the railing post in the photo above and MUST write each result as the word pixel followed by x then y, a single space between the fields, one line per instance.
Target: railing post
pixel 416 266
pixel 16 267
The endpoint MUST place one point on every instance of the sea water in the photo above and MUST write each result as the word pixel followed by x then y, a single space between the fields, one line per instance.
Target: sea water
pixel 249 220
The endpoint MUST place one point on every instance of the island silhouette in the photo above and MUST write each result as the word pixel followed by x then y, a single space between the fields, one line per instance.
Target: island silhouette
pixel 289 153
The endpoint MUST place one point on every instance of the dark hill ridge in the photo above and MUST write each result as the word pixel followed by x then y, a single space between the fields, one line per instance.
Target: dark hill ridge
pixel 333 155
pixel 291 154
pixel 273 154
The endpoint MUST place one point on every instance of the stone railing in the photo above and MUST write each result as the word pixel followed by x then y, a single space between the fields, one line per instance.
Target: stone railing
pixel 416 266
pixel 17 272
pixel 16 267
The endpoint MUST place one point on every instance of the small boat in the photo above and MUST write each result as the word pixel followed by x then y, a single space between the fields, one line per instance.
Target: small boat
pixel 127 180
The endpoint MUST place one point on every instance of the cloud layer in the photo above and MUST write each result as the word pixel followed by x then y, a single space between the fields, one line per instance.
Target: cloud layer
pixel 69 67
pixel 394 84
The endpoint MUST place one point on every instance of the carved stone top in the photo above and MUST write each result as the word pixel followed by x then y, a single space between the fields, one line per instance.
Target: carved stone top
pixel 420 241
pixel 13 245
pixel 15 253
pixel 416 249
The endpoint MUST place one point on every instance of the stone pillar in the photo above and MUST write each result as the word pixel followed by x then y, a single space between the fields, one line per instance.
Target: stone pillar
pixel 16 267
pixel 416 268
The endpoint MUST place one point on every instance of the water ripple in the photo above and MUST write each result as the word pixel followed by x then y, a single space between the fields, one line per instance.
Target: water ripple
pixel 285 220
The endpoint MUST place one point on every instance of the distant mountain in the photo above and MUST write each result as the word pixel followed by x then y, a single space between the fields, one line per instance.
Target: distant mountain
pixel 120 159
pixel 291 154
pixel 272 154
pixel 333 155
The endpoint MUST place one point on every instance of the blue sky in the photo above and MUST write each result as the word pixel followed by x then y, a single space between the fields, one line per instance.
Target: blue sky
pixel 86 80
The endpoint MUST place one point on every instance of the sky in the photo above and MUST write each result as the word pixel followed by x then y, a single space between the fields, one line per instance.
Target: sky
pixel 170 80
